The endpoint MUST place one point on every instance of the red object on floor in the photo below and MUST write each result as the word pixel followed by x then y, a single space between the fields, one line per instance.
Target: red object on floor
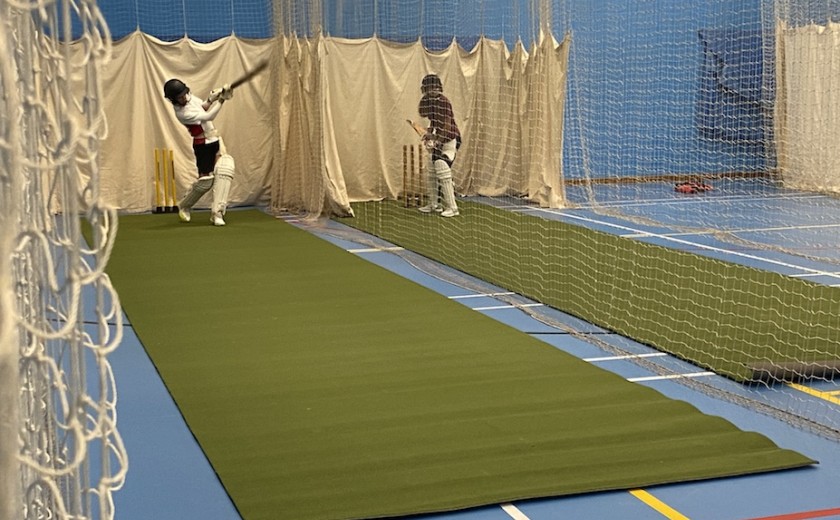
pixel 692 187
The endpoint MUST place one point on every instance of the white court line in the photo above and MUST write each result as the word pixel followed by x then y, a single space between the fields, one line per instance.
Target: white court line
pixel 741 230
pixel 811 275
pixel 696 201
pixel 376 249
pixel 514 512
pixel 675 201
pixel 481 295
pixel 675 376
pixel 498 307
pixel 629 356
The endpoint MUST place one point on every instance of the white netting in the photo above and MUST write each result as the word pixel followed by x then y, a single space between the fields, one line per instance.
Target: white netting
pixel 350 78
pixel 704 127
pixel 61 455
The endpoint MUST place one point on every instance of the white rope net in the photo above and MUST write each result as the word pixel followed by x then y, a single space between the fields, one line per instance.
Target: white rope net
pixel 704 127
pixel 61 455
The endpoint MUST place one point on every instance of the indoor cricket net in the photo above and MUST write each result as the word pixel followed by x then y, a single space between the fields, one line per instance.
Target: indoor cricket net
pixel 685 119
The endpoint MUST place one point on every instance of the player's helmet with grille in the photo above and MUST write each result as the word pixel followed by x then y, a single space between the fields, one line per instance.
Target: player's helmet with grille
pixel 175 88
pixel 431 83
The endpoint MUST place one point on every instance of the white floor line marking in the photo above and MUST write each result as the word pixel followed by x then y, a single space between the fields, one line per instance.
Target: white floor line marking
pixel 742 230
pixel 376 249
pixel 683 201
pixel 629 356
pixel 696 245
pixel 498 307
pixel 482 295
pixel 810 275
pixel 514 512
pixel 675 376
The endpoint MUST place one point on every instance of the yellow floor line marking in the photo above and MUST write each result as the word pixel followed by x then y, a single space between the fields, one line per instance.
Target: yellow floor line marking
pixel 816 393
pixel 661 507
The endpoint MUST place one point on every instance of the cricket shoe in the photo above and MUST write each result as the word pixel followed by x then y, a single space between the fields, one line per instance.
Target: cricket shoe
pixel 450 212
pixel 217 220
pixel 184 214
pixel 428 208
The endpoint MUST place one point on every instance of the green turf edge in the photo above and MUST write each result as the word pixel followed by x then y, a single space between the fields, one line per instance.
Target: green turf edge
pixel 227 314
pixel 718 315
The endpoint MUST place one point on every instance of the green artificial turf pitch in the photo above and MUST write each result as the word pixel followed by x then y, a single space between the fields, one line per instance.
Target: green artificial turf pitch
pixel 321 386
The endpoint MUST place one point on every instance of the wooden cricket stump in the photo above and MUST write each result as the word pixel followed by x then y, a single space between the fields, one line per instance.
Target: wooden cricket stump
pixel 413 181
pixel 166 200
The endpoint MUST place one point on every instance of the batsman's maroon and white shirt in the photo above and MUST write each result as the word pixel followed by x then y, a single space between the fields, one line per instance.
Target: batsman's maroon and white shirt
pixel 199 122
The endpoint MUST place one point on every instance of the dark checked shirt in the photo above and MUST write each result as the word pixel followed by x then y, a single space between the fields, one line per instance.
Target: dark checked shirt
pixel 438 109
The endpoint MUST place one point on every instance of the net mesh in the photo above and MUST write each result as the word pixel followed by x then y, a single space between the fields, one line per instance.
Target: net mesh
pixel 61 455
pixel 698 127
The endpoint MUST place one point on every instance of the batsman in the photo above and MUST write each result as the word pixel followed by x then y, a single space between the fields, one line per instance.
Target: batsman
pixel 215 166
pixel 442 139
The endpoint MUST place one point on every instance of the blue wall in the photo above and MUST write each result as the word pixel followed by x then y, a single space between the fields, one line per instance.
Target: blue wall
pixel 635 84
pixel 438 21
pixel 201 20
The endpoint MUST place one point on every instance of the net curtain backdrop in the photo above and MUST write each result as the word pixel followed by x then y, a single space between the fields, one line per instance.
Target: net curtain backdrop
pixel 509 107
pixel 329 117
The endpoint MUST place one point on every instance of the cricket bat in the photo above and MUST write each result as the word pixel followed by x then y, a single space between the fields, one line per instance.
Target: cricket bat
pixel 417 128
pixel 249 74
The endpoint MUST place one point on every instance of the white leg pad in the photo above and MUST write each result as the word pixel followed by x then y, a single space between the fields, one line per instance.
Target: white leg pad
pixel 431 188
pixel 448 190
pixel 225 168
pixel 197 190
pixel 444 177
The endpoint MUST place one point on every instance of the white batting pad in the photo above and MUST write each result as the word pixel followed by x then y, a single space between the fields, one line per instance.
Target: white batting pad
pixel 197 190
pixel 224 171
pixel 448 190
